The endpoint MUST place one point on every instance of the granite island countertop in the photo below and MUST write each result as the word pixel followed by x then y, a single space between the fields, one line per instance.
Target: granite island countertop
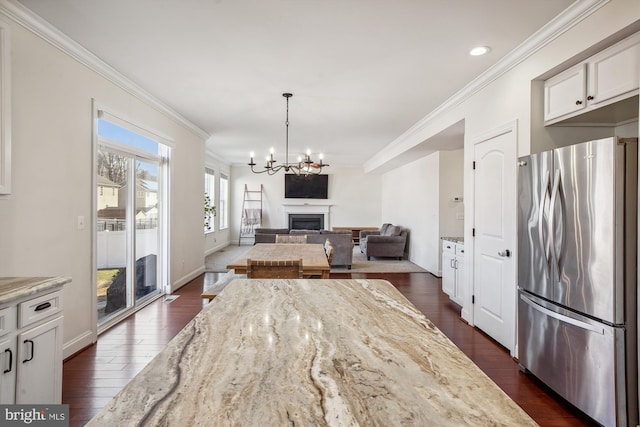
pixel 336 352
pixel 14 288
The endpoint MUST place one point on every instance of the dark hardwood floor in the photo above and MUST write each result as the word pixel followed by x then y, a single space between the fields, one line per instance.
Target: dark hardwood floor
pixel 92 377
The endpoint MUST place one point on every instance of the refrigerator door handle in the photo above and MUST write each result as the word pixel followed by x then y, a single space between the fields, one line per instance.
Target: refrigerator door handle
pixel 552 225
pixel 543 199
pixel 560 317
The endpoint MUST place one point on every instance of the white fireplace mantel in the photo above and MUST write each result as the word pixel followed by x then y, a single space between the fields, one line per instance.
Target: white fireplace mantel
pixel 307 208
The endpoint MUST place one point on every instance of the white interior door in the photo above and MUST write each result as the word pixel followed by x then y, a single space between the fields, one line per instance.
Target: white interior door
pixel 494 282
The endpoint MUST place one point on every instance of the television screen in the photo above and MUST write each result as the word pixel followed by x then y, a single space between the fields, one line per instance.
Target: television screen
pixel 306 187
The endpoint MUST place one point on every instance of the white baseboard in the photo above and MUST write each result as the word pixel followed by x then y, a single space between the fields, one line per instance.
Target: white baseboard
pixel 80 342
pixel 187 278
pixel 88 338
pixel 216 248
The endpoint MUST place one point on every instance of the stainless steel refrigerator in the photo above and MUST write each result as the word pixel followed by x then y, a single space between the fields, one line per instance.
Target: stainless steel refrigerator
pixel 577 288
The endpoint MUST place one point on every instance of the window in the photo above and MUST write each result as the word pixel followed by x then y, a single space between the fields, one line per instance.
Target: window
pixel 209 200
pixel 224 206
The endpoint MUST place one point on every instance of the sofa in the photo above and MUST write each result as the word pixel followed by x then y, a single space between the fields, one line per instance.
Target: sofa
pixel 268 235
pixel 389 241
pixel 342 241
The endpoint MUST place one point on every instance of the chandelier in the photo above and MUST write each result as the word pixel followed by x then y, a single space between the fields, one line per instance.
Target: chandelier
pixel 304 165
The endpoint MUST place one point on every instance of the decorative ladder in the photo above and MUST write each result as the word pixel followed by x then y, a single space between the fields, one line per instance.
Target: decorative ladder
pixel 251 213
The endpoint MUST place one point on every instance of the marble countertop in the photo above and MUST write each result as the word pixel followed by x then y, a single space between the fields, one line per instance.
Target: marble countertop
pixel 306 352
pixel 13 288
pixel 454 239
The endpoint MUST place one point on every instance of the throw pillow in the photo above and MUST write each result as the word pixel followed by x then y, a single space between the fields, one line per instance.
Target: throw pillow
pixel 393 230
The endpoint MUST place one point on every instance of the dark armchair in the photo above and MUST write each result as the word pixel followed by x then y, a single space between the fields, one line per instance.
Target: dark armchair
pixel 389 241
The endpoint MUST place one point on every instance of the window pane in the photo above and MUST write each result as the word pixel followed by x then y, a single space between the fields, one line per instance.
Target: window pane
pixel 210 200
pixel 224 196
pixel 117 133
pixel 146 228
pixel 113 293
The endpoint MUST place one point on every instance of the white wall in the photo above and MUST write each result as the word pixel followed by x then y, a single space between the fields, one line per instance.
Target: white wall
pixel 411 200
pixel 218 238
pixel 52 177
pixel 418 197
pixel 355 197
pixel 451 185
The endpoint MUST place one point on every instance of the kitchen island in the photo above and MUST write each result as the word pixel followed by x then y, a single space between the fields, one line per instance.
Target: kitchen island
pixel 332 352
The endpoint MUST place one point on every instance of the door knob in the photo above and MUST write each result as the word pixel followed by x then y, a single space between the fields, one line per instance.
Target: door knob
pixel 505 253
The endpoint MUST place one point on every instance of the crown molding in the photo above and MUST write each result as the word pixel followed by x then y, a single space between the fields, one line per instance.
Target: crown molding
pixel 215 156
pixel 568 18
pixel 34 23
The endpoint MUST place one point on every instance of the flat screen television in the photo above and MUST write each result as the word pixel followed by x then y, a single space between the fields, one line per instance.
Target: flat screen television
pixel 306 187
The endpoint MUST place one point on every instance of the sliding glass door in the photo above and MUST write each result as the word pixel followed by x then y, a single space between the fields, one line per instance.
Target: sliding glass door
pixel 129 222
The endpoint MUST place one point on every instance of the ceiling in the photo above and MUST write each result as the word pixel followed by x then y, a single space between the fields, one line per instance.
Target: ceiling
pixel 361 72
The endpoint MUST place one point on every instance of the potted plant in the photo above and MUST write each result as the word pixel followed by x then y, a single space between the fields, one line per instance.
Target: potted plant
pixel 209 213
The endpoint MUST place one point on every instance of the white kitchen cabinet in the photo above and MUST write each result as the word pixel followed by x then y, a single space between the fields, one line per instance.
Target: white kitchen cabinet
pixel 8 318
pixel 31 350
pixel 609 76
pixel 39 376
pixel 614 72
pixel 565 93
pixel 453 270
pixel 458 296
pixel 8 370
pixel 448 267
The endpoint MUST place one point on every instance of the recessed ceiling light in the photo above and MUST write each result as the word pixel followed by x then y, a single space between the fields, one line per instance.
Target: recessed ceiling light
pixel 480 50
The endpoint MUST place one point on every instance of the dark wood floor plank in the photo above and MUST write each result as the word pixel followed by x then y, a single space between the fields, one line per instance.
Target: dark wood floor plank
pixel 92 377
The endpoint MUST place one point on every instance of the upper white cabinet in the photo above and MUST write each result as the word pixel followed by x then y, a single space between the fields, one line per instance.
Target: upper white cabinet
pixel 614 72
pixel 565 93
pixel 607 77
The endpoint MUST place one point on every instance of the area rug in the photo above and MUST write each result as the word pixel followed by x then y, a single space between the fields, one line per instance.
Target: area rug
pixel 217 262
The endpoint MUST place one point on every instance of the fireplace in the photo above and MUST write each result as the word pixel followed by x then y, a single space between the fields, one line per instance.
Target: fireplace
pixel 306 221
pixel 306 211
